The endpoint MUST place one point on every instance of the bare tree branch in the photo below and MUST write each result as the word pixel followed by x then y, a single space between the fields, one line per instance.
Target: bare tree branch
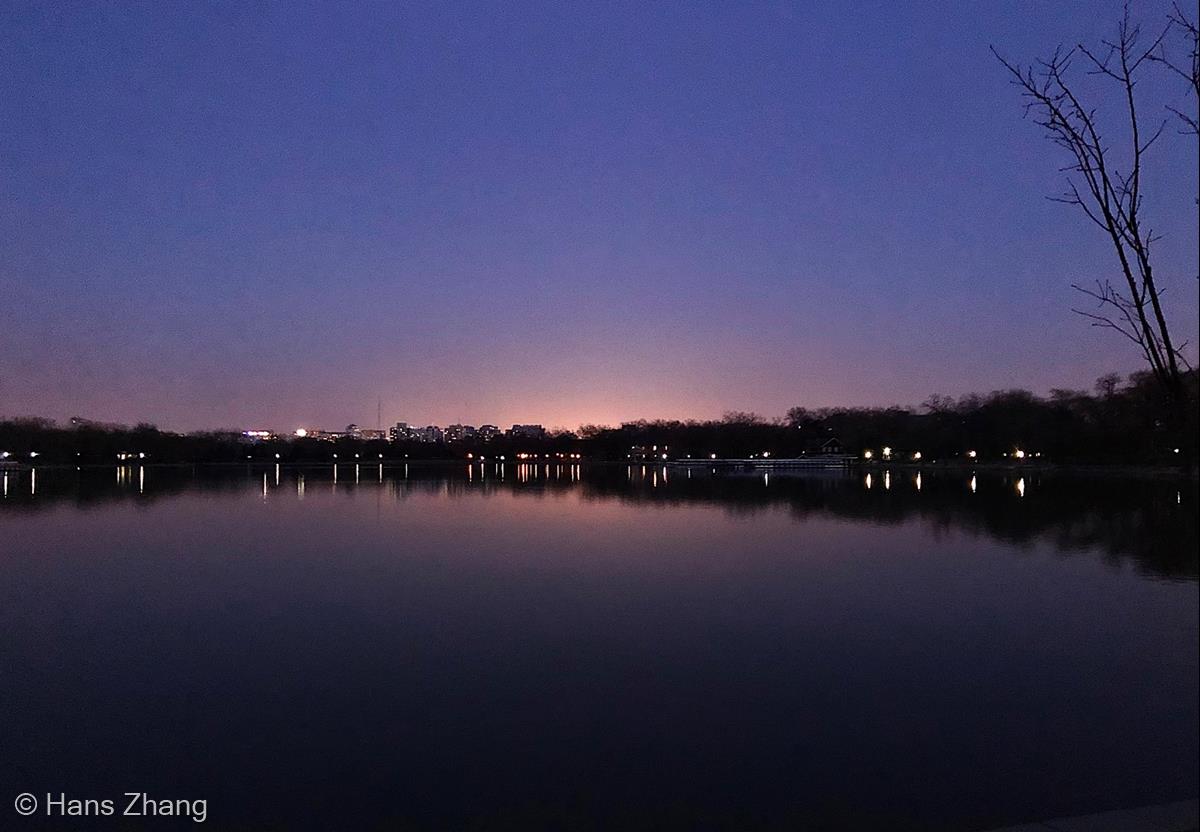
pixel 1189 72
pixel 1105 180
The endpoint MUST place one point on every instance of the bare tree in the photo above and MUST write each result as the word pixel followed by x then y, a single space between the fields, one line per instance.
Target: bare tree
pixel 1105 181
pixel 1189 72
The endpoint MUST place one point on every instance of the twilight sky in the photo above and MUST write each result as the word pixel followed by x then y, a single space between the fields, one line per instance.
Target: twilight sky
pixel 273 215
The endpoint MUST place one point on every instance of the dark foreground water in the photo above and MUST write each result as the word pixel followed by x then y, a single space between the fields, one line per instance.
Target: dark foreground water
pixel 587 648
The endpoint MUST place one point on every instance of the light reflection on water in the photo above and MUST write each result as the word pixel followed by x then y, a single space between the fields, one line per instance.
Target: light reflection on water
pixel 712 485
pixel 555 644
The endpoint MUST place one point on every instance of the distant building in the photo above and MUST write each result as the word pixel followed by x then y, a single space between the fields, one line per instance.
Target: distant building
pixel 371 435
pixel 429 433
pixel 457 433
pixel 832 445
pixel 401 432
pixel 488 432
pixel 327 435
pixel 528 432
pixel 639 453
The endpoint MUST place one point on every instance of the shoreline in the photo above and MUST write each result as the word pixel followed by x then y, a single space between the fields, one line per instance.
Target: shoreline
pixel 1098 470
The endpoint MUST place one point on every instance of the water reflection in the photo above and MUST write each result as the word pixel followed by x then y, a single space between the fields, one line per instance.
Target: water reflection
pixel 615 647
pixel 1152 522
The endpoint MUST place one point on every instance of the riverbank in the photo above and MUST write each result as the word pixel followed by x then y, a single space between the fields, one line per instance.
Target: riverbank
pixel 1038 467
pixel 1098 470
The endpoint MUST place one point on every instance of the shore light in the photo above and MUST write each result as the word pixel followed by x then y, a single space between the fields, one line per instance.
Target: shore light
pixel 301 432
pixel 917 455
pixel 971 454
pixel 712 456
pixel 1019 454
pixel 868 455
pixel 887 452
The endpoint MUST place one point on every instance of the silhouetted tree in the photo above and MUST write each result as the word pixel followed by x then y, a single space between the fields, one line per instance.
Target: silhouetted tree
pixel 1189 71
pixel 1107 384
pixel 1105 182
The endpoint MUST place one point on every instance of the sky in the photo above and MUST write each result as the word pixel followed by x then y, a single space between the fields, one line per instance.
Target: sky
pixel 278 214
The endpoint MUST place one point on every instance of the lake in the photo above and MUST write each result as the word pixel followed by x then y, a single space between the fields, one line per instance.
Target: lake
pixel 574 646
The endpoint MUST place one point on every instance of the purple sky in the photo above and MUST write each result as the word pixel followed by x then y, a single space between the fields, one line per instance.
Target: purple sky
pixel 275 215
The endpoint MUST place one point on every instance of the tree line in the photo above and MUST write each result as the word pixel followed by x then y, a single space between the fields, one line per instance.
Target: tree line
pixel 1121 421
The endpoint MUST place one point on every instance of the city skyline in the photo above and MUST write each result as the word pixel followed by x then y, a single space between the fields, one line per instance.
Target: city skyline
pixel 387 425
pixel 575 216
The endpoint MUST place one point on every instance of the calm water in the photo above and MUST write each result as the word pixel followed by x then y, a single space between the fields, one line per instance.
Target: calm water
pixel 598 647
